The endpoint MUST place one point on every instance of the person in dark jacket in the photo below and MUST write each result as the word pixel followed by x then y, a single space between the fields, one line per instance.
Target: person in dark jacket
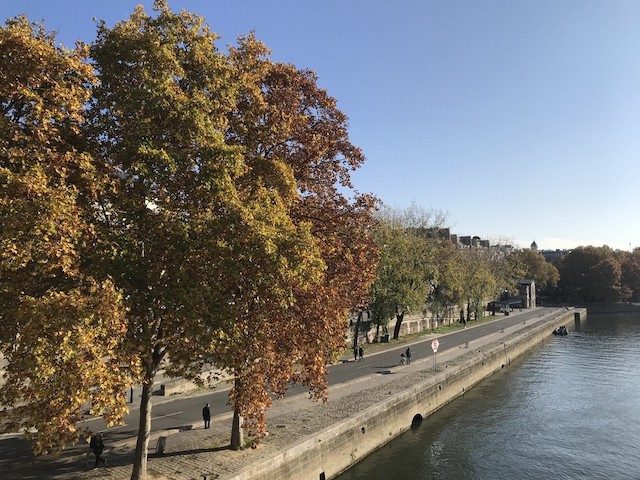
pixel 361 354
pixel 206 416
pixel 408 355
pixel 97 447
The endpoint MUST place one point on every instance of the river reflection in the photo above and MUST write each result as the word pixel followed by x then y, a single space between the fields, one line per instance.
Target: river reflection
pixel 570 409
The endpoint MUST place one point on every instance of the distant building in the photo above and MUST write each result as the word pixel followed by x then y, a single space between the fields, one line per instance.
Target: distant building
pixel 553 256
pixel 465 240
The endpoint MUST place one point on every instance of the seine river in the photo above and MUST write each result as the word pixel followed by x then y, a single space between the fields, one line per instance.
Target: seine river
pixel 570 409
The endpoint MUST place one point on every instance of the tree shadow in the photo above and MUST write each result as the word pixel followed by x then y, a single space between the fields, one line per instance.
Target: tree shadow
pixel 386 371
pixel 189 452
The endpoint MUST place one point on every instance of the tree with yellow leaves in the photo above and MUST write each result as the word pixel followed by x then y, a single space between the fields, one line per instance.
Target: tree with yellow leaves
pixel 64 328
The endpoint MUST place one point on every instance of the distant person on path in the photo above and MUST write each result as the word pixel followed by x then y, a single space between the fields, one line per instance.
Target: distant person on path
pixel 408 355
pixel 96 445
pixel 361 353
pixel 206 416
pixel 403 359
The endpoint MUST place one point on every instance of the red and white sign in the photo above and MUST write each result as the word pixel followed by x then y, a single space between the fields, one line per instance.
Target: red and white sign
pixel 434 345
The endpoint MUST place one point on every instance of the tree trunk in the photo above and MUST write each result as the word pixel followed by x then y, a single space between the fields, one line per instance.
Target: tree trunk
pixel 237 433
pixel 144 429
pixel 396 329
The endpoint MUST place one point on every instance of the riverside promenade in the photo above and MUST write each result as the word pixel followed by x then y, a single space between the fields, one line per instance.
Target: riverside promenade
pixel 197 453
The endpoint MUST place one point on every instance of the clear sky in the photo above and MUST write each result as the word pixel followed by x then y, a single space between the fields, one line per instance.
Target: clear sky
pixel 519 118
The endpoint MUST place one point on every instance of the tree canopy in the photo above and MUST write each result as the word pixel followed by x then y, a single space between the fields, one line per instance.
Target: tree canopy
pixel 590 274
pixel 63 327
pixel 407 266
pixel 630 279
pixel 531 264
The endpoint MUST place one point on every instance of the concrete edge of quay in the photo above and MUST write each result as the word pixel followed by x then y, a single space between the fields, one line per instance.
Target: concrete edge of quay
pixel 331 451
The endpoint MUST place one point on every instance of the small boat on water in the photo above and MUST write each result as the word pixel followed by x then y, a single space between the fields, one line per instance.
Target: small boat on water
pixel 561 330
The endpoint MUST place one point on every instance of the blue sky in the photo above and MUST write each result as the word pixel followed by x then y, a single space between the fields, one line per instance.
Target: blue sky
pixel 521 119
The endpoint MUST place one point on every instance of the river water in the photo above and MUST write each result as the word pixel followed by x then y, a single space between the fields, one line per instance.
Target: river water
pixel 570 409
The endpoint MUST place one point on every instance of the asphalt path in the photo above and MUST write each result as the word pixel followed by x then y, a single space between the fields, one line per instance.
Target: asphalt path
pixel 182 412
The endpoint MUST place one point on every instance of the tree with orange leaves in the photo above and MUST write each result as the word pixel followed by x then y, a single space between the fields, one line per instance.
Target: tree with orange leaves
pixel 288 127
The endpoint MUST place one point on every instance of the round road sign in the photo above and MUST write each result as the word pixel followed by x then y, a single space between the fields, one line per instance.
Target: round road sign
pixel 434 345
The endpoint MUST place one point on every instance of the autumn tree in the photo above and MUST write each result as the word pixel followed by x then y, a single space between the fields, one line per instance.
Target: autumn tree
pixel 291 133
pixel 64 325
pixel 197 216
pixel 225 239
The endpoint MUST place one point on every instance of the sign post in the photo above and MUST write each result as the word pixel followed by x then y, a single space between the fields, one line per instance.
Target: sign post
pixel 434 346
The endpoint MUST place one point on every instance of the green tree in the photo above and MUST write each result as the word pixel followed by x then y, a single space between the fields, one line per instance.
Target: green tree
pixel 590 274
pixel 480 283
pixel 630 278
pixel 530 264
pixel 448 286
pixel 407 264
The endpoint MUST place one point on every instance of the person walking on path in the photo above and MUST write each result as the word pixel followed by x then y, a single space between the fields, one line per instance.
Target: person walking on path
pixel 206 416
pixel 361 353
pixel 408 355
pixel 355 354
pixel 96 445
pixel 462 319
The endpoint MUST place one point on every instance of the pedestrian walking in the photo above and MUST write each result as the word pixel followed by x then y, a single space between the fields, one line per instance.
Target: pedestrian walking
pixel 403 359
pixel 206 416
pixel 96 444
pixel 361 353
pixel 407 354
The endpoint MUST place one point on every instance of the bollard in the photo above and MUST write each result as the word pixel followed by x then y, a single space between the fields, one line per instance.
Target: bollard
pixel 466 344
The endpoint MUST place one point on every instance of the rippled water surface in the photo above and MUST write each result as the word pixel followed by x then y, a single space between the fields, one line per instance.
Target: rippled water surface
pixel 570 409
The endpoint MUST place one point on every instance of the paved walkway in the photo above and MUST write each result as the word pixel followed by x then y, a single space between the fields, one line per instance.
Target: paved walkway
pixel 199 453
